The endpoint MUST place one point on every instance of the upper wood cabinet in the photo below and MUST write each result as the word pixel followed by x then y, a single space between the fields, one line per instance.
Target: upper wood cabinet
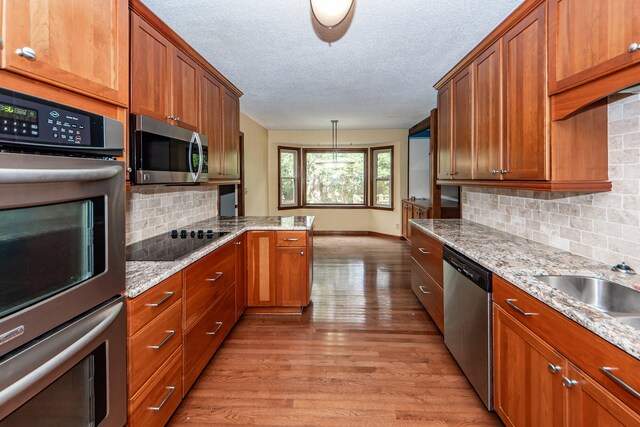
pixel 444 132
pixel 231 135
pixel 164 80
pixel 487 113
pixel 462 141
pixel 591 38
pixel 526 153
pixel 211 92
pixel 78 45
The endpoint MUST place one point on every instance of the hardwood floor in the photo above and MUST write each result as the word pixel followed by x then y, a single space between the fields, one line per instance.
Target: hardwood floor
pixel 365 353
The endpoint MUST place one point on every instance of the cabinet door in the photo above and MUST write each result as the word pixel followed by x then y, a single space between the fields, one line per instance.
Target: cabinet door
pixel 150 70
pixel 291 276
pixel 261 263
pixel 241 275
pixel 405 219
pixel 184 91
pixel 487 144
pixel 590 404
pixel 526 143
pixel 590 38
pixel 527 391
pixel 211 121
pixel 231 135
pixel 462 143
pixel 444 132
pixel 79 44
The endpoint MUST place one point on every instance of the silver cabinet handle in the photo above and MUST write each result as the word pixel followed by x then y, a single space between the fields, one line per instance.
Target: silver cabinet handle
pixel 607 371
pixel 170 117
pixel 301 253
pixel 554 369
pixel 157 408
pixel 178 119
pixel 518 309
pixel 27 53
pixel 447 173
pixel 633 47
pixel 504 171
pixel 568 382
pixel 454 173
pixel 291 239
pixel 422 289
pixel 424 251
pixel 495 171
pixel 164 341
pixel 218 275
pixel 238 243
pixel 217 329
pixel 167 296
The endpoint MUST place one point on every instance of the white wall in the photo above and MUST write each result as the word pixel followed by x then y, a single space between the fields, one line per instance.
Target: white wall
pixel 256 188
pixel 419 167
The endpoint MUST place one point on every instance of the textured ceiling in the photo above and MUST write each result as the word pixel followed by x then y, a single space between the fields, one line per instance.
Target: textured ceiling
pixel 379 75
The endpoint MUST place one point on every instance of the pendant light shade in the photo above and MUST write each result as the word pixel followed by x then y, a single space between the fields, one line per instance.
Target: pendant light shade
pixel 330 13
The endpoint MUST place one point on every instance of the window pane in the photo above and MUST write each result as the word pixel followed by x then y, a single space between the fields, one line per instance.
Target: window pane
pixel 383 164
pixel 341 183
pixel 288 193
pixel 287 164
pixel 383 193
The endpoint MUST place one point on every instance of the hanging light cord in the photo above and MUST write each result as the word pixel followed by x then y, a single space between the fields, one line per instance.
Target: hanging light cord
pixel 334 139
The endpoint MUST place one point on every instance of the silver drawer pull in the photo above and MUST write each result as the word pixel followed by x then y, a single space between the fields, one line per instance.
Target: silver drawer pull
pixel 27 53
pixel 518 309
pixel 157 408
pixel 633 47
pixel 164 341
pixel 291 239
pixel 168 295
pixel 607 371
pixel 218 275
pixel 554 369
pixel 568 382
pixel 422 288
pixel 217 329
pixel 424 251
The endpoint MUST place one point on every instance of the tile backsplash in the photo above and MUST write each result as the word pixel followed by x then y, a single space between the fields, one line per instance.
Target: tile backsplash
pixel 603 226
pixel 155 209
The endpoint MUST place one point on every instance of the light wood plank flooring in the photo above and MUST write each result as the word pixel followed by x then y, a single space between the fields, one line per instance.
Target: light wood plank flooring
pixel 366 353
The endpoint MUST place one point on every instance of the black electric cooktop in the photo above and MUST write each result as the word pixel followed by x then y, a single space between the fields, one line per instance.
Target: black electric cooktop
pixel 171 246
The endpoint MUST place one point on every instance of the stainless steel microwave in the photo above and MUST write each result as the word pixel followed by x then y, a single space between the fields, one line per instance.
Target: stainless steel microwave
pixel 162 153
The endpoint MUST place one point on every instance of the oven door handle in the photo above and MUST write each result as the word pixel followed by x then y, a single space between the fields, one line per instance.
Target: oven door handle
pixel 35 176
pixel 48 364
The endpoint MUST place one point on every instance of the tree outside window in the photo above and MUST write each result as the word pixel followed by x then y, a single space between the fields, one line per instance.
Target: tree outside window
pixel 338 180
pixel 382 177
pixel 289 177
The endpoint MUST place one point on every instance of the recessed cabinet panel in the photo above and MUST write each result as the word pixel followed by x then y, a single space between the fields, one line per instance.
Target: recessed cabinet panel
pixel 261 268
pixel 291 276
pixel 211 121
pixel 231 136
pixel 462 142
pixel 444 132
pixel 185 91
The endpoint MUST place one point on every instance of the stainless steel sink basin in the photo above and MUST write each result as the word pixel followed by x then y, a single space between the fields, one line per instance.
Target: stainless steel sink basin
pixel 634 321
pixel 603 295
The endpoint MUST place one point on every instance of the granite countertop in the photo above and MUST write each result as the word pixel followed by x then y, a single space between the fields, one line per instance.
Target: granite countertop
pixel 143 275
pixel 517 260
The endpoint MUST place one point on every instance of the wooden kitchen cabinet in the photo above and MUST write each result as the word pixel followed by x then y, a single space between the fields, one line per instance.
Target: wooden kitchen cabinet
pixel 527 375
pixel 261 264
pixel 81 46
pixel 231 135
pixel 184 90
pixel 487 113
pixel 407 214
pixel 211 93
pixel 241 275
pixel 444 132
pixel 589 39
pixel 461 142
pixel 291 276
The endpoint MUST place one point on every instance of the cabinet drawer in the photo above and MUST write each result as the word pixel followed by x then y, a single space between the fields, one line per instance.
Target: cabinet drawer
pixel 207 279
pixel 427 251
pixel 291 238
pixel 430 294
pixel 149 348
pixel 159 398
pixel 584 348
pixel 202 341
pixel 146 307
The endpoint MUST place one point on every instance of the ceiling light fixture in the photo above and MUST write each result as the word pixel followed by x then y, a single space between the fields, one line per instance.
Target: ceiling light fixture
pixel 330 13
pixel 334 162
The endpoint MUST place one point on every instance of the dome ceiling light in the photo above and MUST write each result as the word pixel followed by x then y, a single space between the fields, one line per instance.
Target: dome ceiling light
pixel 330 13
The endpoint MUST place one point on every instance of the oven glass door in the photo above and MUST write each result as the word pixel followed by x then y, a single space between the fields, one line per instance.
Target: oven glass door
pixel 47 249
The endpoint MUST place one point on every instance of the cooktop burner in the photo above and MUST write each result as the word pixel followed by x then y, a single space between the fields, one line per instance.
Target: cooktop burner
pixel 171 246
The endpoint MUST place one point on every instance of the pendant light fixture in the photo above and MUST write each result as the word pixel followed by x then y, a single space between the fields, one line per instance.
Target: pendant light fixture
pixel 334 162
pixel 330 13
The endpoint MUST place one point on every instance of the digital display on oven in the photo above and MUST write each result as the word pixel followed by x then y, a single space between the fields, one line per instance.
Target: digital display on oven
pixel 15 112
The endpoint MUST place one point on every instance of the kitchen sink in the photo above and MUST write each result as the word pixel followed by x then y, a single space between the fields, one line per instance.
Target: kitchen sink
pixel 603 295
pixel 633 321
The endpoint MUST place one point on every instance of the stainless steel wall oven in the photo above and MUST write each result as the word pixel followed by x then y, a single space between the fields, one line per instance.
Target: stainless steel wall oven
pixel 62 319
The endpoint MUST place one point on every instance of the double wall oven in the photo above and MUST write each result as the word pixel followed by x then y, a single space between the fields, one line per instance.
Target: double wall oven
pixel 62 266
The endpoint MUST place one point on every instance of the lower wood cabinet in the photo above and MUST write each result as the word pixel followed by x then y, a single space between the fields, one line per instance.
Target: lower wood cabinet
pixel 241 274
pixel 291 275
pixel 542 368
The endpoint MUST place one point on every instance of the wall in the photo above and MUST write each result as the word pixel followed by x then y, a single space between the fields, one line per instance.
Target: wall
pixel 256 189
pixel 387 222
pixel 603 226
pixel 419 168
pixel 157 209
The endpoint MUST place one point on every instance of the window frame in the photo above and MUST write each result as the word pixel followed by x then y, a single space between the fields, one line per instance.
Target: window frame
pixel 297 179
pixel 374 178
pixel 303 181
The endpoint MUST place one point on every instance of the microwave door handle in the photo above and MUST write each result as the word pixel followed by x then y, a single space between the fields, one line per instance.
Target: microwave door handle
pixel 196 139
pixel 46 364
pixel 190 160
pixel 36 176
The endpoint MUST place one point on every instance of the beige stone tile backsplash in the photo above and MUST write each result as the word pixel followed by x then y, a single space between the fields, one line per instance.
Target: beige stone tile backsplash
pixel 155 209
pixel 603 226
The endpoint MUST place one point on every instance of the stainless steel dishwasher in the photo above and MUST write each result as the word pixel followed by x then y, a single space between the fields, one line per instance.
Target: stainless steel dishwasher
pixel 467 320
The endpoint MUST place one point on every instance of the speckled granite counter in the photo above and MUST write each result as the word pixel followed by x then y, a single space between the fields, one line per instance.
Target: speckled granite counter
pixel 517 259
pixel 143 275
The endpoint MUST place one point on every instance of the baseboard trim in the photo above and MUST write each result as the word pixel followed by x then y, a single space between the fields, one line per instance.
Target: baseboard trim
pixel 356 233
